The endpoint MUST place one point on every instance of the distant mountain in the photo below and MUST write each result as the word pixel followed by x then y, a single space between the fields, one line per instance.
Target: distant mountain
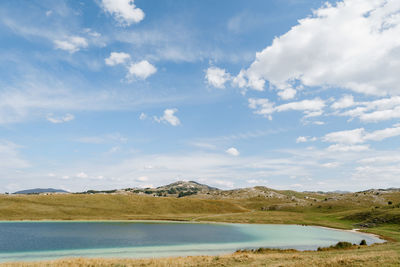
pixel 179 189
pixel 187 186
pixel 40 190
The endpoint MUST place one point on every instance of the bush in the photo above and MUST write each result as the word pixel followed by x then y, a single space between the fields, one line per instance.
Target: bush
pixel 339 245
pixel 342 245
pixel 363 242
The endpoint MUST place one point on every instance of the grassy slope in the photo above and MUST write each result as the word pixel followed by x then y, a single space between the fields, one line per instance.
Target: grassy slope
pixel 107 207
pixel 342 213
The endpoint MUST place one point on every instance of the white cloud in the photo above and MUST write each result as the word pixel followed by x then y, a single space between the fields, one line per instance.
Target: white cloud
pixel 66 118
pixel 287 93
pixel 359 135
pixel 306 105
pixel 376 110
pixel 346 137
pixel 217 77
pixel 169 117
pixel 352 44
pixel 71 44
pixel 116 58
pixel 142 69
pixel 345 102
pixel 383 134
pixel 142 116
pixel 124 11
pixel 233 151
pixel 303 139
pixel 263 106
pixel 347 148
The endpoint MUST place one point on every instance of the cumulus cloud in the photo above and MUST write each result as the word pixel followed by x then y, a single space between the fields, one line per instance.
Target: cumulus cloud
pixel 169 117
pixel 71 44
pixel 344 102
pixel 233 151
pixel 352 44
pixel 217 77
pixel 124 11
pixel 142 69
pixel 288 93
pixel 66 118
pixel 116 58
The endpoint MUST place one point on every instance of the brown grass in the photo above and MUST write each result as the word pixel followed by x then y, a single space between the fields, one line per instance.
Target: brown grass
pixel 108 207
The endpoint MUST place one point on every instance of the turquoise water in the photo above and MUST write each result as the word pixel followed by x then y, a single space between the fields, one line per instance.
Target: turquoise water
pixel 49 240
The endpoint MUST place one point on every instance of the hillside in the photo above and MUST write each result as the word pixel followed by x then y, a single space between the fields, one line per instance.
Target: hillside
pixel 177 189
pixel 107 206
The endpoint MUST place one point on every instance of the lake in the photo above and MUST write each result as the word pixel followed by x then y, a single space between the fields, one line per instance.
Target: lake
pixel 50 240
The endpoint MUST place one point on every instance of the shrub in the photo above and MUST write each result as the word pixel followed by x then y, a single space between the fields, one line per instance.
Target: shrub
pixel 342 245
pixel 363 242
pixel 339 245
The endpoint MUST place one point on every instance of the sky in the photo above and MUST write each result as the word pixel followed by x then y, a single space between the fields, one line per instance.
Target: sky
pixel 288 94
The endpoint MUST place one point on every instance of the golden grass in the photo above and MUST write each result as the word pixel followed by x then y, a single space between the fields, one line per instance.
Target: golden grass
pixel 108 207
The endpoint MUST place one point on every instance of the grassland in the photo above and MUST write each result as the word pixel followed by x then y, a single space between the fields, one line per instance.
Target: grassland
pixel 370 211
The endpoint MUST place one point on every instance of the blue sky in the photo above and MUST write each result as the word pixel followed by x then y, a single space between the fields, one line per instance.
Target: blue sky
pixel 103 94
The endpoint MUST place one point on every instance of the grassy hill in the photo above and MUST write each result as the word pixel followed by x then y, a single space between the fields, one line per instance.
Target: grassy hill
pixel 107 206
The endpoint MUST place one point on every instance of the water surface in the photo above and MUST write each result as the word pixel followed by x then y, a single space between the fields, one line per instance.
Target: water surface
pixel 49 240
